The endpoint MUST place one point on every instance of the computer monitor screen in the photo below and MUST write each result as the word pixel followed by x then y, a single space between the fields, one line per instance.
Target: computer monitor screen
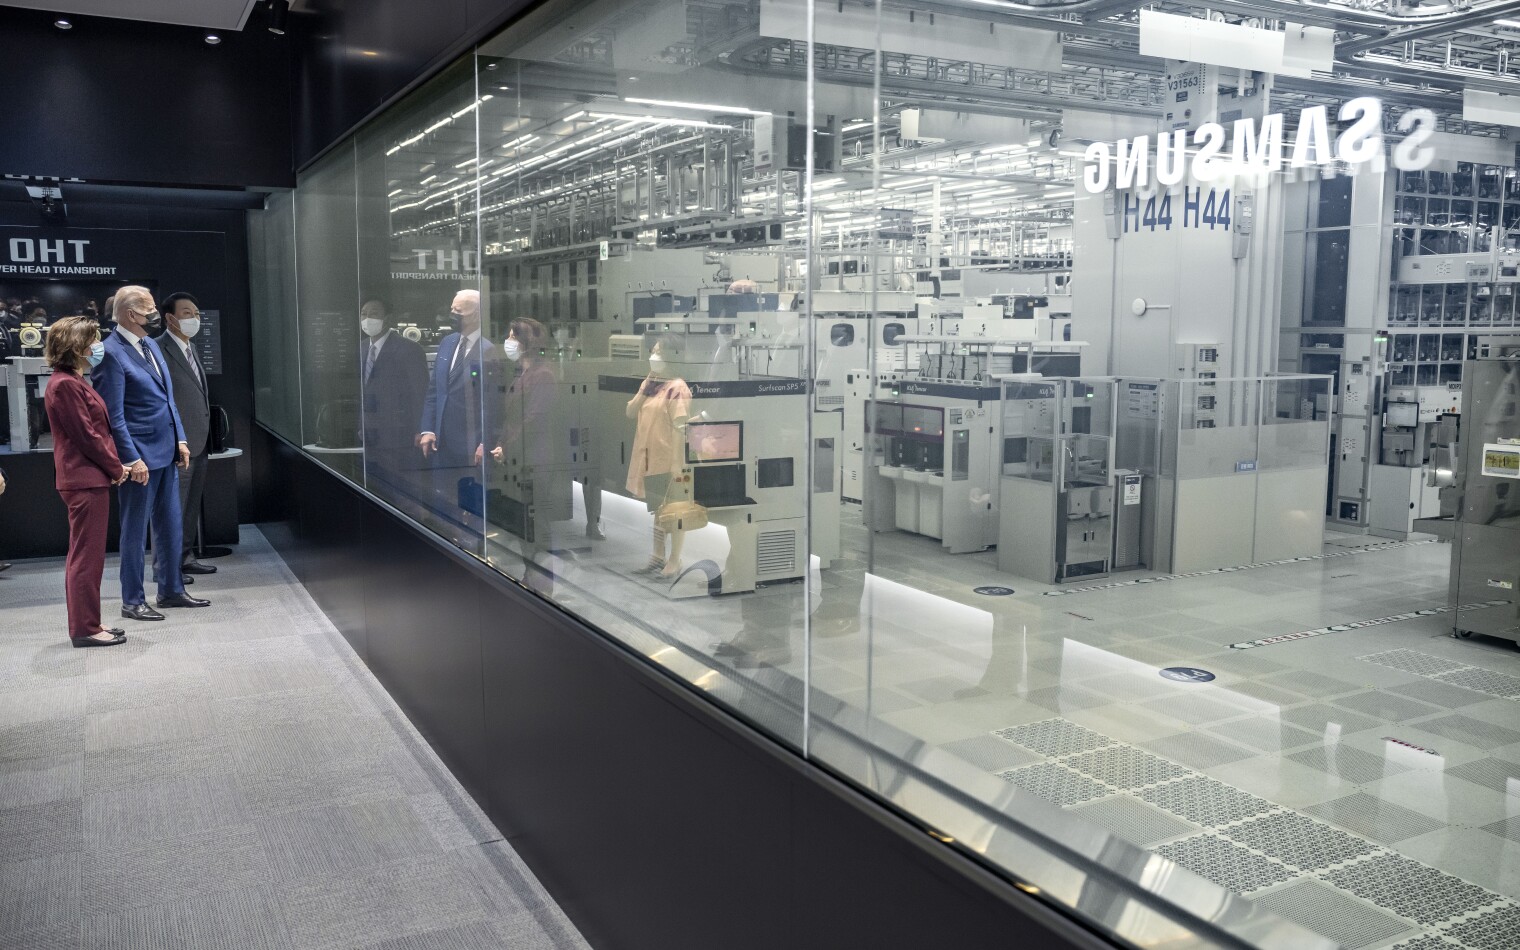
pixel 714 442
pixel 1404 414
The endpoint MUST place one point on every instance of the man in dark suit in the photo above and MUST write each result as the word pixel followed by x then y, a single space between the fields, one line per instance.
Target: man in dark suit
pixel 393 378
pixel 452 430
pixel 133 379
pixel 182 320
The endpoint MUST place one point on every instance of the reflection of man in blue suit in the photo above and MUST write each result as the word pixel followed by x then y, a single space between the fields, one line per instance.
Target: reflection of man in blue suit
pixel 453 424
pixel 133 379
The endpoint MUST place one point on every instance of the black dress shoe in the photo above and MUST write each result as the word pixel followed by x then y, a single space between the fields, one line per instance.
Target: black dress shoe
pixel 5 565
pixel 181 599
pixel 185 579
pixel 198 567
pixel 140 612
pixel 92 642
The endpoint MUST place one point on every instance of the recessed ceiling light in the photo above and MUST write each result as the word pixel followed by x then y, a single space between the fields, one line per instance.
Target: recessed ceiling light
pixel 212 39
pixel 63 24
pixel 368 52
pixel 278 11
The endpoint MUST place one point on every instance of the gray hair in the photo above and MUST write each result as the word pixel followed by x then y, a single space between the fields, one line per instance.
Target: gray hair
pixel 126 297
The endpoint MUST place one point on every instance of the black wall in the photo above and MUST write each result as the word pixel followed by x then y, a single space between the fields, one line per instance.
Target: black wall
pixel 653 818
pixel 200 250
pixel 116 100
pixel 338 83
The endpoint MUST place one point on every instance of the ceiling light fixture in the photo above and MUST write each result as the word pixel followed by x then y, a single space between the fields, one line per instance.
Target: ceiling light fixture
pixel 63 24
pixel 706 106
pixel 279 10
pixel 212 39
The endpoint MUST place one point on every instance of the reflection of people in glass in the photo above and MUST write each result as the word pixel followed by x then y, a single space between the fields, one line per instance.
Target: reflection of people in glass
pixel 525 445
pixel 724 356
pixel 452 428
pixel 393 378
pixel 660 409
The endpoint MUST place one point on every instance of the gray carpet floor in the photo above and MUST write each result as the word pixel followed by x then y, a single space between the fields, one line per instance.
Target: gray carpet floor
pixel 232 777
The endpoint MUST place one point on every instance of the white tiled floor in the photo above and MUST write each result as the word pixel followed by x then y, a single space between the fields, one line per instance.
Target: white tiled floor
pixel 1364 753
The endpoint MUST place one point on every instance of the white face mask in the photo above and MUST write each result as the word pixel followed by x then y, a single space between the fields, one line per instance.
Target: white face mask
pixel 372 326
pixel 190 326
pixel 656 363
pixel 513 349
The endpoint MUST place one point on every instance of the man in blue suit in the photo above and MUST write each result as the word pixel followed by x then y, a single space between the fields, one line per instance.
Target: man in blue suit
pixel 133 379
pixel 453 421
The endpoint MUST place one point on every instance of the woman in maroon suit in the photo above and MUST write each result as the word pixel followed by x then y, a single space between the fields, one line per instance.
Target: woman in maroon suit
pixel 84 457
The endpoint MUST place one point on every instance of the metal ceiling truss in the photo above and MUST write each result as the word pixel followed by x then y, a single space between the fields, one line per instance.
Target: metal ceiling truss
pixel 1410 56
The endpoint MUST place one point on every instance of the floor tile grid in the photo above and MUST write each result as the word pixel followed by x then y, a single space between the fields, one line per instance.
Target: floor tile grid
pixel 1495 903
pixel 1505 689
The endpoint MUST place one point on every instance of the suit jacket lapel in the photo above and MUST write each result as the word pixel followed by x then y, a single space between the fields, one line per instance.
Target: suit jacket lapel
pixel 161 376
pixel 194 371
pixel 461 353
pixel 386 347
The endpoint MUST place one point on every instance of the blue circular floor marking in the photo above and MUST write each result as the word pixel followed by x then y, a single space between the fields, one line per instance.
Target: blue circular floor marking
pixel 1187 674
pixel 993 591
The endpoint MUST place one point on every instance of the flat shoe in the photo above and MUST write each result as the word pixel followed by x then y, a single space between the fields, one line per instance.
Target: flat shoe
pixel 92 642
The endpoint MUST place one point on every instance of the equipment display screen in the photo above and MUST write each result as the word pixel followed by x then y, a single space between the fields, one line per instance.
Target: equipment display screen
pixel 714 442
pixel 921 420
pixel 1501 461
pixel 889 418
pixel 1404 414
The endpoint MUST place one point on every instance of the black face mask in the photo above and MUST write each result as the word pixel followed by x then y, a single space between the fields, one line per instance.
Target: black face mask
pixel 455 322
pixel 155 324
